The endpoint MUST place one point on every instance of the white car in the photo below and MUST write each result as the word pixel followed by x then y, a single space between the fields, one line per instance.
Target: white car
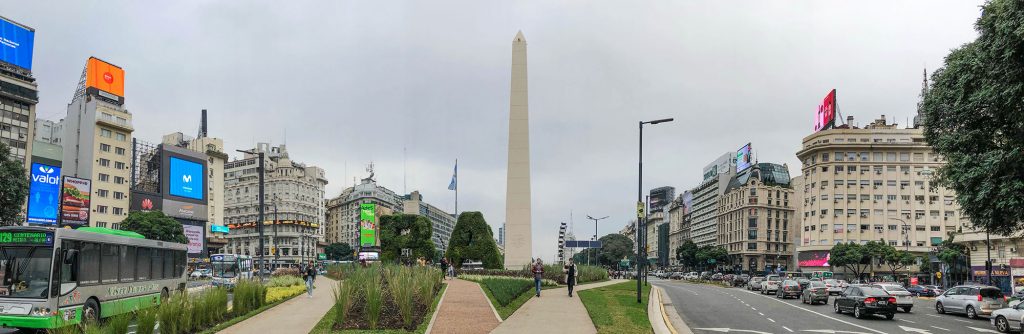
pixel 904 299
pixel 834 286
pixel 1008 319
pixel 770 284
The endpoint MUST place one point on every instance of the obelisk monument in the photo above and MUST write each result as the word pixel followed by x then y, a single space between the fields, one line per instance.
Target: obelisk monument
pixel 518 235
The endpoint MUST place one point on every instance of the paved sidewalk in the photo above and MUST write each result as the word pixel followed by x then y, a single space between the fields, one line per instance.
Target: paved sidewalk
pixel 298 315
pixel 553 312
pixel 465 309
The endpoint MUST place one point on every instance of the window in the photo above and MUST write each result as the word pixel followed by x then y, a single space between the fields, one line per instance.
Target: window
pixel 127 263
pixel 105 147
pixel 752 235
pixel 169 260
pixel 108 264
pixel 142 264
pixel 122 137
pixel 104 162
pixel 157 263
pixel 935 228
pixel 102 192
pixel 68 274
pixel 118 195
pixel 117 211
pixel 119 150
pixel 119 165
pixel 751 246
pixel 105 133
pixel 119 179
pixel 101 208
pixel 104 177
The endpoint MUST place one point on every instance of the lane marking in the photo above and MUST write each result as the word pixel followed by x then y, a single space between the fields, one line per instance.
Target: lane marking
pixel 962 320
pixel 939 328
pixel 787 328
pixel 762 314
pixel 825 316
pixel 770 319
pixel 753 309
pixel 905 320
pixel 932 315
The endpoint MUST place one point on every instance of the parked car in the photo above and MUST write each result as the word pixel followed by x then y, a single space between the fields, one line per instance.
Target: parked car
pixel 814 292
pixel 803 282
pixel 754 284
pixel 740 280
pixel 1008 319
pixel 843 284
pixel 833 287
pixel 706 275
pixel 770 284
pixel 676 275
pixel 936 289
pixel 716 277
pixel 971 300
pixel 788 288
pixel 904 300
pixel 921 290
pixel 865 300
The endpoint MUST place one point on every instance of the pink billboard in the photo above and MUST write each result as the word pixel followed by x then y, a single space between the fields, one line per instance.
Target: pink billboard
pixel 814 258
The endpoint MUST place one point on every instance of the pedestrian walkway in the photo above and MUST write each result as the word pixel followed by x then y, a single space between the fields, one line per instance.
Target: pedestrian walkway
pixel 298 315
pixel 464 309
pixel 554 311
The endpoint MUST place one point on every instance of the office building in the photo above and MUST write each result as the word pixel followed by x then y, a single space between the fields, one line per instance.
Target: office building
pixel 679 227
pixel 97 141
pixel 293 211
pixel 343 210
pixel 216 230
pixel 754 219
pixel 48 131
pixel 19 92
pixel 704 215
pixel 443 222
pixel 871 183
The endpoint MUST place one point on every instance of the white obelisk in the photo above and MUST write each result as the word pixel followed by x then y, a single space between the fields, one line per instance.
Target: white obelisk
pixel 518 235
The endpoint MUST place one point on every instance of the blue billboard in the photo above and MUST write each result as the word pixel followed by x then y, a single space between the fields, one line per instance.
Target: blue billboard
pixel 43 195
pixel 16 43
pixel 185 178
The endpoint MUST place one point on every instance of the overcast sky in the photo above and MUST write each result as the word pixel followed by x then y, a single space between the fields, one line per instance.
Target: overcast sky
pixel 351 82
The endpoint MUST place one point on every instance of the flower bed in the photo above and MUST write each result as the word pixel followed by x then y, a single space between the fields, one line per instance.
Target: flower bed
pixel 384 297
pixel 551 272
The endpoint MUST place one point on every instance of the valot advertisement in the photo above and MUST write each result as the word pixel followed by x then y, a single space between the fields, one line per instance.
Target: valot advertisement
pixel 814 258
pixel 74 203
pixel 43 195
pixel 16 43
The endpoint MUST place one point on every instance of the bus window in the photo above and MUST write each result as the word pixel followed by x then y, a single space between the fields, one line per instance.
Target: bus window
pixel 168 263
pixel 89 263
pixel 142 262
pixel 158 263
pixel 127 263
pixel 68 270
pixel 108 264
pixel 179 263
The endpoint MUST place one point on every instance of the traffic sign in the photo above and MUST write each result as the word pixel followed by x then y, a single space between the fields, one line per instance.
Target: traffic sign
pixel 938 274
pixel 639 209
pixel 582 244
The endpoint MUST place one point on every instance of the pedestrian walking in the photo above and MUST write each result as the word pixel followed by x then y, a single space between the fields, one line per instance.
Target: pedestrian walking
pixel 444 268
pixel 538 274
pixel 309 275
pixel 570 275
pixel 451 269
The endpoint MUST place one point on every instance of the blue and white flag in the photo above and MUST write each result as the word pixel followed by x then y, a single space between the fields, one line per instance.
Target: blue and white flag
pixel 455 177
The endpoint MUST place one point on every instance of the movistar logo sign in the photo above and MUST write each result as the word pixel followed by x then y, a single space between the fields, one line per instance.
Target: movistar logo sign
pixel 186 178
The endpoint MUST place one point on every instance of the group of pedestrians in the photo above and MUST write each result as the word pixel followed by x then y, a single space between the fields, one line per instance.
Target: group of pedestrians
pixel 447 268
pixel 570 270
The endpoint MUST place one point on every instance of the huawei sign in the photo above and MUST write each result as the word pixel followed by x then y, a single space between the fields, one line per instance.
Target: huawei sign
pixel 108 78
pixel 147 204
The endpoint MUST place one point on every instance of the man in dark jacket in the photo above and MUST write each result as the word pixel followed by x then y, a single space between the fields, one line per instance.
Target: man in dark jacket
pixel 570 275
pixel 309 276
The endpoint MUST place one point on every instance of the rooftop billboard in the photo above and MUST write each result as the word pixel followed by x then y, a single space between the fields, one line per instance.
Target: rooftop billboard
pixel 825 118
pixel 743 158
pixel 16 43
pixel 661 196
pixel 104 76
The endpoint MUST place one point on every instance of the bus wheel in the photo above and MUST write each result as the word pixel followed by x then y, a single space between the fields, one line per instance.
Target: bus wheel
pixel 163 295
pixel 91 312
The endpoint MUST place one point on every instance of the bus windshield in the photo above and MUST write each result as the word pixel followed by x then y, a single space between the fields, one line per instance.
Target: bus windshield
pixel 25 271
pixel 225 269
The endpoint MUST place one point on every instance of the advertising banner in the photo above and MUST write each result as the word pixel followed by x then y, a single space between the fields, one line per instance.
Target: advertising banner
pixel 141 201
pixel 814 258
pixel 185 210
pixel 367 225
pixel 43 195
pixel 104 76
pixel 219 229
pixel 16 43
pixel 194 233
pixel 743 158
pixel 186 178
pixel 75 202
pixel 825 118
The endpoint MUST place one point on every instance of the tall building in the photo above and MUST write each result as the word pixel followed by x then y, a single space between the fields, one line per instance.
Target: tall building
pixel 293 211
pixel 214 150
pixel 678 220
pixel 871 183
pixel 519 247
pixel 754 219
pixel 19 92
pixel 343 210
pixel 97 141
pixel 443 222
pixel 660 198
pixel 48 131
pixel 704 216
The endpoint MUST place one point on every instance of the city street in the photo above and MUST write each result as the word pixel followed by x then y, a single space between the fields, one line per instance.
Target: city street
pixel 713 309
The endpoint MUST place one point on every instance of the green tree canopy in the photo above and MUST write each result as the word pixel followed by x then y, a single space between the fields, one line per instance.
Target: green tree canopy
pixel 613 248
pixel 402 231
pixel 155 225
pixel 339 251
pixel 974 118
pixel 687 253
pixel 711 256
pixel 472 239
pixel 13 189
pixel 855 258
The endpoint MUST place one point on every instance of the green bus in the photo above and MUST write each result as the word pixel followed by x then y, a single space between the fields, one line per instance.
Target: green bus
pixel 56 277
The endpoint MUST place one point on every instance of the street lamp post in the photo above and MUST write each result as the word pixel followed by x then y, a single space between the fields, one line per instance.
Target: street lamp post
pixel 906 232
pixel 259 224
pixel 597 252
pixel 639 199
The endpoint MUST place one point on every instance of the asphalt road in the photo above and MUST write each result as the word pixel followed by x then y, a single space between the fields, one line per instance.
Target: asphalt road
pixel 714 309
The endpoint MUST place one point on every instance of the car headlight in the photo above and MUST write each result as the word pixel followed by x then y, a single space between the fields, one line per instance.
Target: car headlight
pixel 41 312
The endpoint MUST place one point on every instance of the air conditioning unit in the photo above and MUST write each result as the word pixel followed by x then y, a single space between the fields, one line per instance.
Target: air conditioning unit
pixel 906 172
pixel 1013 250
pixel 945 218
pixel 878 172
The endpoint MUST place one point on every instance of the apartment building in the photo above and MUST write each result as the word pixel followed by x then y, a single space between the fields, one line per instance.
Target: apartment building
pixel 704 217
pixel 754 219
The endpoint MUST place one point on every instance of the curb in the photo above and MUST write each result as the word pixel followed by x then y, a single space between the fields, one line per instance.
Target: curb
pixel 496 315
pixel 672 320
pixel 433 318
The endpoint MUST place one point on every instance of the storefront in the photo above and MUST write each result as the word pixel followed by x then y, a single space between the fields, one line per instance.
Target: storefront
pixel 1000 277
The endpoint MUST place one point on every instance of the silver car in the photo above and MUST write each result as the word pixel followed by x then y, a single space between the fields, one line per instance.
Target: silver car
pixel 1008 319
pixel 834 286
pixel 755 283
pixel 904 300
pixel 770 284
pixel 972 300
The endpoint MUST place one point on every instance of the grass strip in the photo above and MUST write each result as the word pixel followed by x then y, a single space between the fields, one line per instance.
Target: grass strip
pixel 613 308
pixel 506 311
pixel 324 326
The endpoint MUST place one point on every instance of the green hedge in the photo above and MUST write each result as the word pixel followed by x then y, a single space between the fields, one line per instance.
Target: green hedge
pixel 505 290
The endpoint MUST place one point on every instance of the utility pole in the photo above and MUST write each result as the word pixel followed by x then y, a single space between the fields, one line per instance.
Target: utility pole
pixel 640 212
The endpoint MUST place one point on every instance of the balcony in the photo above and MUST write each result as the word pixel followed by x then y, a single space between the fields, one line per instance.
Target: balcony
pixel 119 123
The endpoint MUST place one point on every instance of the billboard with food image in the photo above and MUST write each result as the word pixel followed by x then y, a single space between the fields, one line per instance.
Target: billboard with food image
pixel 74 202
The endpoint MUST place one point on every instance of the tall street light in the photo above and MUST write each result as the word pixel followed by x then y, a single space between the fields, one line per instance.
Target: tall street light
pixel 906 232
pixel 259 225
pixel 597 253
pixel 639 201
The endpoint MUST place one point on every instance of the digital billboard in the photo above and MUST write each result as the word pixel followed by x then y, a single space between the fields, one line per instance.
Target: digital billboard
pixel 75 202
pixel 143 201
pixel 16 43
pixel 104 76
pixel 185 178
pixel 660 197
pixel 367 225
pixel 194 233
pixel 814 258
pixel 43 195
pixel 825 118
pixel 743 158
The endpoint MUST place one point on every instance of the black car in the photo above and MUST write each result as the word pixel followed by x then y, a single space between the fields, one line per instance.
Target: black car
pixel 788 288
pixel 803 282
pixel 920 290
pixel 740 280
pixel 865 300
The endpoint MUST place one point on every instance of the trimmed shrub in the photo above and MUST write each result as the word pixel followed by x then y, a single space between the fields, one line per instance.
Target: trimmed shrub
pixel 286 272
pixel 282 292
pixel 505 290
pixel 284 281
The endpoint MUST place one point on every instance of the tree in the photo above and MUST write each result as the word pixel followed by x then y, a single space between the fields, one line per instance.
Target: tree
pixel 402 231
pixel 852 257
pixel 974 118
pixel 339 251
pixel 687 253
pixel 897 259
pixel 472 239
pixel 155 225
pixel 13 189
pixel 614 247
pixel 926 265
pixel 710 256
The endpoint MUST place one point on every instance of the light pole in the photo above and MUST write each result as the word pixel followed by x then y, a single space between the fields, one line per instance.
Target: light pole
pixel 906 232
pixel 259 224
pixel 597 251
pixel 639 199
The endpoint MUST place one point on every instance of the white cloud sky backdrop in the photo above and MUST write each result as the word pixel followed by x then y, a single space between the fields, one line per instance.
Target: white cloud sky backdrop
pixel 357 81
